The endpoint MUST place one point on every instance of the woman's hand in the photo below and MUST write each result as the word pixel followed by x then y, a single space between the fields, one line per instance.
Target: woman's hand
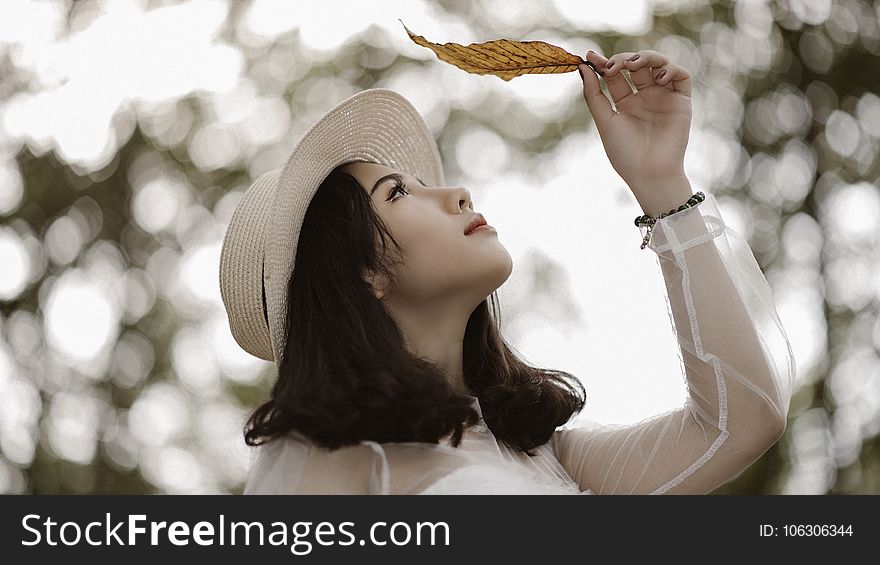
pixel 646 137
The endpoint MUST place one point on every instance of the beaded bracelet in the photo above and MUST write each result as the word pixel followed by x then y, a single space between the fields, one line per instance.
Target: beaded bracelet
pixel 646 220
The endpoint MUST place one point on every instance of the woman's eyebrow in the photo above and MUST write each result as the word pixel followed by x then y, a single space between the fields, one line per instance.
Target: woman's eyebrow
pixel 395 176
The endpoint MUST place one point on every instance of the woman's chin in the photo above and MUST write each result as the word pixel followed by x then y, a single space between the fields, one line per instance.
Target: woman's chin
pixel 503 271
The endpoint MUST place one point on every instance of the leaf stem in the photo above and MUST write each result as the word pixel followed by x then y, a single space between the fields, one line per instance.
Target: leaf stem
pixel 592 66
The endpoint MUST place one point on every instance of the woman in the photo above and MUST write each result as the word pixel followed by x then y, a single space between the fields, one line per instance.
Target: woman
pixel 393 377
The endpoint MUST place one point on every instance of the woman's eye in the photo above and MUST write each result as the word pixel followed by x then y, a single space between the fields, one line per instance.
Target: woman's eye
pixel 397 188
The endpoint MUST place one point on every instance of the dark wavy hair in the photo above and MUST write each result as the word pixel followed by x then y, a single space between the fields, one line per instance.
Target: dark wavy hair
pixel 345 375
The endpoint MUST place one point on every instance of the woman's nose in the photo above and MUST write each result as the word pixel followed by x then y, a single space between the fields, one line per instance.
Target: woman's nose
pixel 464 198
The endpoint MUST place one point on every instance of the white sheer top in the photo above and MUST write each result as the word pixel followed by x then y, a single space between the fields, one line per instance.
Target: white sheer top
pixel 739 370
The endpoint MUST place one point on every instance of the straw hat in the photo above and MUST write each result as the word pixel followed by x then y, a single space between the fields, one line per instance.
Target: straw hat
pixel 257 257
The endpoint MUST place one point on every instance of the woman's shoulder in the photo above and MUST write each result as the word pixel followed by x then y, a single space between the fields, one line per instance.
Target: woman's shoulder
pixel 575 428
pixel 579 424
pixel 292 464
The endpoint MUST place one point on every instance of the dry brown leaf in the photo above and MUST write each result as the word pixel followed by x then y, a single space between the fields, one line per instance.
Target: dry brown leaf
pixel 503 57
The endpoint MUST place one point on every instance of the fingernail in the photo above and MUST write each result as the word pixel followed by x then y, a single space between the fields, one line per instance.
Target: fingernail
pixel 661 74
pixel 609 64
pixel 634 57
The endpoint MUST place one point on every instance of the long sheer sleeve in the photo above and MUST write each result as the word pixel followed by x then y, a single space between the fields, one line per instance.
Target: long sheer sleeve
pixel 738 366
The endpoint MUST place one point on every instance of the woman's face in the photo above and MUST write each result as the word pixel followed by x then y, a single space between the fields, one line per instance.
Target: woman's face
pixel 440 263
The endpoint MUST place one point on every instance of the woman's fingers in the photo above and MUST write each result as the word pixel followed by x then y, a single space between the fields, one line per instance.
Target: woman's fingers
pixel 674 77
pixel 617 85
pixel 600 106
pixel 646 68
pixel 597 60
pixel 643 67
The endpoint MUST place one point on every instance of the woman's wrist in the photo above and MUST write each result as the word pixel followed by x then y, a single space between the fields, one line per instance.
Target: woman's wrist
pixel 662 194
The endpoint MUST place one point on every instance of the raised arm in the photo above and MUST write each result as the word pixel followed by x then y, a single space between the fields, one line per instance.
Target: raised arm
pixel 738 365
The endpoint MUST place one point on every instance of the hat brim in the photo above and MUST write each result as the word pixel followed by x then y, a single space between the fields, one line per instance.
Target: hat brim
pixel 375 125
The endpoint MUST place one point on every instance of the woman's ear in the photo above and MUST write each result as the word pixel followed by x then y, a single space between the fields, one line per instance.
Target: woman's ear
pixel 377 283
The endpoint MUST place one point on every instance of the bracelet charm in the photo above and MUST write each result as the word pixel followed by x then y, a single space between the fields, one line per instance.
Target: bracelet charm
pixel 646 220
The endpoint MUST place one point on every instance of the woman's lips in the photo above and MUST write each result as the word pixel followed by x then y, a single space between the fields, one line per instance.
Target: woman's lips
pixel 478 229
pixel 476 220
